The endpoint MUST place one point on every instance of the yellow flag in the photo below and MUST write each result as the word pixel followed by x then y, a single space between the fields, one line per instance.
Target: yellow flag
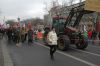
pixel 92 5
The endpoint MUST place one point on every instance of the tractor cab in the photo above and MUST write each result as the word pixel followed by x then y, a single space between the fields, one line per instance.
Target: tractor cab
pixel 58 23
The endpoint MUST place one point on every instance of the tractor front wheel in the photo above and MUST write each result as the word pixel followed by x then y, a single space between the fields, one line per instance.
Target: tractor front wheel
pixel 63 42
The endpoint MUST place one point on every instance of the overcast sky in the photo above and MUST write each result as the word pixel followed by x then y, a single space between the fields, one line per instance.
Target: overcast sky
pixel 12 9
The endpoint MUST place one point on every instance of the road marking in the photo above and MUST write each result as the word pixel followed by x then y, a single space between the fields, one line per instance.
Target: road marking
pixel 7 59
pixel 87 52
pixel 95 46
pixel 73 57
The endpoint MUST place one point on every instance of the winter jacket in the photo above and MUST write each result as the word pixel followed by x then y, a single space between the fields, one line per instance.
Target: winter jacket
pixel 23 31
pixel 39 35
pixel 30 34
pixel 52 38
pixel 90 34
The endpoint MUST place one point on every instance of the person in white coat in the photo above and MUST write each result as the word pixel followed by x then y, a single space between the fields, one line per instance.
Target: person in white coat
pixel 52 41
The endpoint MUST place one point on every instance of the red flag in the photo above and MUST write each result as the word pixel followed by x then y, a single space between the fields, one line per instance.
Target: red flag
pixel 29 25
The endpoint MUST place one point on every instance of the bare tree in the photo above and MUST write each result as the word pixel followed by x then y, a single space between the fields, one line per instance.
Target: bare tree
pixel 51 9
pixel 47 10
pixel 71 2
pixel 46 7
pixel 65 4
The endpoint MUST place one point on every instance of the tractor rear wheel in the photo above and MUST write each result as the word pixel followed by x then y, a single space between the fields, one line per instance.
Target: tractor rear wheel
pixel 82 45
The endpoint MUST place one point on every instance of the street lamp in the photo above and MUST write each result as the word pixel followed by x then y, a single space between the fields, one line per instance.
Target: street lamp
pixel 18 19
pixel 18 22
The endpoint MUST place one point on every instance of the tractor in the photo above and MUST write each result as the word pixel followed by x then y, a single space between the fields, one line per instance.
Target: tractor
pixel 67 31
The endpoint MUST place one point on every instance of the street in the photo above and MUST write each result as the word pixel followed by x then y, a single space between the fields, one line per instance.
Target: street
pixel 27 26
pixel 38 55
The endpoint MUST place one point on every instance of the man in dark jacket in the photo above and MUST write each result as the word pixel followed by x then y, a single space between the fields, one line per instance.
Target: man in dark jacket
pixel 30 36
pixel 17 35
pixel 9 33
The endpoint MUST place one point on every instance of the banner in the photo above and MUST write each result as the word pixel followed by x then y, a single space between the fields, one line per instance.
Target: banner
pixel 92 5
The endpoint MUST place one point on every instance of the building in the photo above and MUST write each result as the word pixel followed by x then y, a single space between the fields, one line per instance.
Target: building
pixel 47 20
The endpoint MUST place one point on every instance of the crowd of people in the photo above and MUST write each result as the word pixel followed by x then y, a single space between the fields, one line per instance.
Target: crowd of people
pixel 20 34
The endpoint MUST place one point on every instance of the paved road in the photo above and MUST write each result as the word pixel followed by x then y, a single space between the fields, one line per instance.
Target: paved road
pixel 38 55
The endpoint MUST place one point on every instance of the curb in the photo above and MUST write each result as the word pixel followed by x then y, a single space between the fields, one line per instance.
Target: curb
pixel 6 56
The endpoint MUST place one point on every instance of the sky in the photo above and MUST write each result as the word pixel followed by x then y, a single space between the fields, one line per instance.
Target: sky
pixel 12 9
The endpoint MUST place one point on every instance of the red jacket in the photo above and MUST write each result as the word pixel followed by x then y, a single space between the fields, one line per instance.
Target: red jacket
pixel 39 35
pixel 90 34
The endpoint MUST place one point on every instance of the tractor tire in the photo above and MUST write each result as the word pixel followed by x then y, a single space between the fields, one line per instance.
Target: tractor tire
pixel 63 42
pixel 82 45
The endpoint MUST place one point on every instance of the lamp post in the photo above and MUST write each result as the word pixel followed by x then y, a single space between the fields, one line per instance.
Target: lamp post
pixel 18 21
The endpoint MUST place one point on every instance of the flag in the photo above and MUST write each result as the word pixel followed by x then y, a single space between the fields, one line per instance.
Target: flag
pixel 92 5
pixel 23 25
pixel 29 25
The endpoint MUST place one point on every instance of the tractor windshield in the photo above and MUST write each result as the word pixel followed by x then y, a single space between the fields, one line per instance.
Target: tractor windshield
pixel 59 25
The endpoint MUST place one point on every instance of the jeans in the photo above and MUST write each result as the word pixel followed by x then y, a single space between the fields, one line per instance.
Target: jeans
pixel 90 41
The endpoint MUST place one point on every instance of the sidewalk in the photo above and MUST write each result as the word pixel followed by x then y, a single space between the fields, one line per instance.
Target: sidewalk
pixel 5 59
pixel 1 55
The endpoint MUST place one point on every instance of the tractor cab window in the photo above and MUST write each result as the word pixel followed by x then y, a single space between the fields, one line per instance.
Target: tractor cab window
pixel 59 25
